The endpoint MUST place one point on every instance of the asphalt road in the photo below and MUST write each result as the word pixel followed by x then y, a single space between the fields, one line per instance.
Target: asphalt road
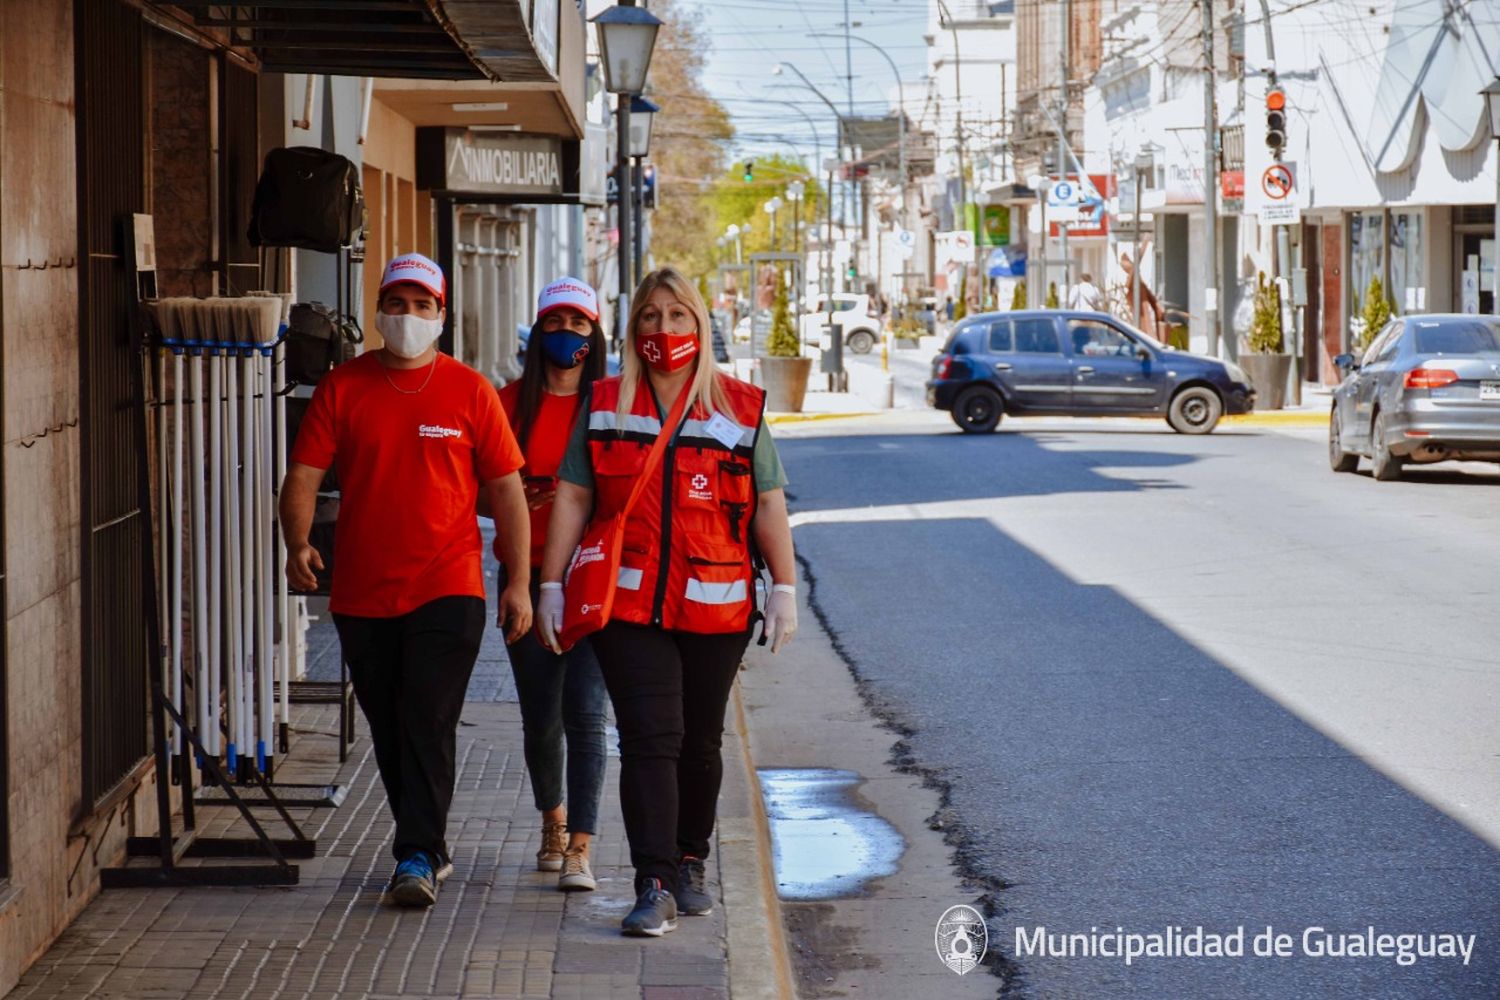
pixel 1180 682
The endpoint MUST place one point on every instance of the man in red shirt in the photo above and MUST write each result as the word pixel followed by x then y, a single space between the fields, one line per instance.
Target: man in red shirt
pixel 416 435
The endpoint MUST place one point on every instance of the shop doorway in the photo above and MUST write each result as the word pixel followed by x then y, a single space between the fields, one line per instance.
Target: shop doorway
pixel 1474 255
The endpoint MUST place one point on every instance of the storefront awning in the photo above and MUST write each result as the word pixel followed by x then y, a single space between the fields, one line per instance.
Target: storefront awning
pixel 494 40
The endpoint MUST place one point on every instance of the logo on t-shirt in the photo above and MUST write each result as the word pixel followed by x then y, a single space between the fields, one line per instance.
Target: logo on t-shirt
pixel 438 431
pixel 698 488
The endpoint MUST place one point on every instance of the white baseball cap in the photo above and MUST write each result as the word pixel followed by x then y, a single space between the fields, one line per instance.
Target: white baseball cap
pixel 415 269
pixel 568 292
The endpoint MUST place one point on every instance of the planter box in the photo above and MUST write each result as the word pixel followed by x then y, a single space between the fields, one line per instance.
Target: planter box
pixel 785 382
pixel 1268 373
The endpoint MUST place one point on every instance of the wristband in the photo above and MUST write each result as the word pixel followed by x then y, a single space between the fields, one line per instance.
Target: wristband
pixel 551 586
pixel 784 588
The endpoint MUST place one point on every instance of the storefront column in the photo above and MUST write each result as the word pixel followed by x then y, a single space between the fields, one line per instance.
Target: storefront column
pixel 470 327
pixel 508 281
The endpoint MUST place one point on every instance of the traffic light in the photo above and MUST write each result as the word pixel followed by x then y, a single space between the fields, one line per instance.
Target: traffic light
pixel 1276 121
pixel 749 171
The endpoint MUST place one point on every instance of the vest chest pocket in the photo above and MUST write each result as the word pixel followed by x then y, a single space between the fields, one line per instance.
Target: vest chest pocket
pixel 615 469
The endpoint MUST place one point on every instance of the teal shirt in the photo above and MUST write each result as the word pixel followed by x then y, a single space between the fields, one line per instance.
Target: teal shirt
pixel 578 465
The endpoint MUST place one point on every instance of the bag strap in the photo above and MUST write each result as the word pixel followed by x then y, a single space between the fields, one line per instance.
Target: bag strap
pixel 658 448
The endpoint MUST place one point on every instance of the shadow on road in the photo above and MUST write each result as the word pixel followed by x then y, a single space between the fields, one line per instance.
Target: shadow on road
pixel 953 467
pixel 1109 773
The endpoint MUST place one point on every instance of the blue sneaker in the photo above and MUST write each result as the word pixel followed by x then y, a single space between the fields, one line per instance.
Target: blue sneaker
pixel 414 883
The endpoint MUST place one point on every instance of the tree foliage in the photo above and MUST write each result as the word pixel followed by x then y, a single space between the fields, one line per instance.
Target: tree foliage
pixel 1376 311
pixel 689 139
pixel 1265 323
pixel 733 201
pixel 782 342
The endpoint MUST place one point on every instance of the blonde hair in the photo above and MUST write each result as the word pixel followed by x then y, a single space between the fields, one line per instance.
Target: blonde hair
pixel 705 386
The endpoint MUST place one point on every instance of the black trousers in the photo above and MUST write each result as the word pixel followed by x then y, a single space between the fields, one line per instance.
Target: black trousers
pixel 669 691
pixel 410 675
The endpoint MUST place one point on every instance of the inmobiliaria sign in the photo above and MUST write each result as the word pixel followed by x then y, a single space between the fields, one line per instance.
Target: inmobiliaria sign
pixel 481 163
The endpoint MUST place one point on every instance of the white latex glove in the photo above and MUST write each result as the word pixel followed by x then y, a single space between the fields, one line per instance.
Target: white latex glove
pixel 781 617
pixel 549 615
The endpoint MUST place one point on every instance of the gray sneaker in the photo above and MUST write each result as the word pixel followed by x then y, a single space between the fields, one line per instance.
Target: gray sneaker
pixel 655 912
pixel 576 875
pixel 692 888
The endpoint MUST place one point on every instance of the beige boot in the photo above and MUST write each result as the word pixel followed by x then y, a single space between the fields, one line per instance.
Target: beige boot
pixel 576 875
pixel 554 842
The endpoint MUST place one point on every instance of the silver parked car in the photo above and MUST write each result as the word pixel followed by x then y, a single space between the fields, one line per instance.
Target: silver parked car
pixel 1426 390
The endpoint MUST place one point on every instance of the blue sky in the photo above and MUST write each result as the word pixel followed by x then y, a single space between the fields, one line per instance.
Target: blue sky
pixel 750 36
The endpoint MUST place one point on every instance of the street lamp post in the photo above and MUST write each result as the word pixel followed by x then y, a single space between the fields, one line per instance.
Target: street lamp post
pixel 836 344
pixel 794 195
pixel 1491 96
pixel 627 36
pixel 1037 290
pixel 1143 163
pixel 642 116
pixel 771 208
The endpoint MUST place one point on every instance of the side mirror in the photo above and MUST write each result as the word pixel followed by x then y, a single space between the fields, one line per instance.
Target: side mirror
pixel 1345 363
pixel 1143 352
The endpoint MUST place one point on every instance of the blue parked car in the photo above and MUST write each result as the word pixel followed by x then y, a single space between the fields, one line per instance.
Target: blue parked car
pixel 1065 363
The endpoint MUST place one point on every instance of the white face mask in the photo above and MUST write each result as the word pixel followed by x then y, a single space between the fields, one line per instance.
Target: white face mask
pixel 408 336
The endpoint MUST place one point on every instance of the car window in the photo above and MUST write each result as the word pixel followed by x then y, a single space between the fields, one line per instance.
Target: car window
pixel 1000 339
pixel 1372 353
pixel 1390 343
pixel 844 305
pixel 1036 336
pixel 1464 337
pixel 1093 339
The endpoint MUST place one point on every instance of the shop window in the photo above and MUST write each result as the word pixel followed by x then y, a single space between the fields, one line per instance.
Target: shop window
pixel 1407 290
pixel 1366 249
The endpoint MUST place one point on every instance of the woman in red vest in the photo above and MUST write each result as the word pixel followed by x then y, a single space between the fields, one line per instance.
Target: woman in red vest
pixel 686 599
pixel 559 694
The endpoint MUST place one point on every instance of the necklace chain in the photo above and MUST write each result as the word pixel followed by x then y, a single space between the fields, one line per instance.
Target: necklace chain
pixel 432 367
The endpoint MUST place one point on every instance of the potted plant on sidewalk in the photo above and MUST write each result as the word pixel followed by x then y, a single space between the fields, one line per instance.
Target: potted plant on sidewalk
pixel 784 371
pixel 1267 364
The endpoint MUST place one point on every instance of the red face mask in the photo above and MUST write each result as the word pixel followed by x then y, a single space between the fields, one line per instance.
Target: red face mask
pixel 667 352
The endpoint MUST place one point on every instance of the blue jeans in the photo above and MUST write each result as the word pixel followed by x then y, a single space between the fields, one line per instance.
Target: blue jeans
pixel 562 695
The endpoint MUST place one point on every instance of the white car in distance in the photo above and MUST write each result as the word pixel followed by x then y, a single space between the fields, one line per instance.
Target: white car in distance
pixel 862 328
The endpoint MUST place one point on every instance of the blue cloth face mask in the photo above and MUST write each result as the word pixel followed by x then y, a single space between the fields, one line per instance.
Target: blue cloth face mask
pixel 564 348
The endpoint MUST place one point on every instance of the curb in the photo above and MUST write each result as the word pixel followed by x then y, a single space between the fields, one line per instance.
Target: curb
pixel 1280 418
pixel 807 418
pixel 760 966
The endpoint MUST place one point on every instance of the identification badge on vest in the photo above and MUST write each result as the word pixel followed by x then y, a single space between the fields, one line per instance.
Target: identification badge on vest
pixel 723 430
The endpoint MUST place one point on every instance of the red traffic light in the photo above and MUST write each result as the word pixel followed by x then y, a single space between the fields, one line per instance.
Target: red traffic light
pixel 1276 100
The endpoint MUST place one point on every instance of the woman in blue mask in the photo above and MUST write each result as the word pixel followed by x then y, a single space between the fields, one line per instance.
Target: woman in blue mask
pixel 560 694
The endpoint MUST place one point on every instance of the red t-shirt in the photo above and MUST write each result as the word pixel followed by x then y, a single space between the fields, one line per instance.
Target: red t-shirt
pixel 410 465
pixel 545 445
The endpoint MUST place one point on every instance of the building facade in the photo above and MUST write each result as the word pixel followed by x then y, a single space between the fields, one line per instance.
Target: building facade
pixel 112 110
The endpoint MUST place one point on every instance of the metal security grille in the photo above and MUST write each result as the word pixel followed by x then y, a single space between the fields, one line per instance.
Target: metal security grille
pixel 110 188
pixel 241 169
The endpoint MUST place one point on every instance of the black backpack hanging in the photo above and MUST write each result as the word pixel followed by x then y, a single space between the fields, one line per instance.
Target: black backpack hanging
pixel 308 198
pixel 317 340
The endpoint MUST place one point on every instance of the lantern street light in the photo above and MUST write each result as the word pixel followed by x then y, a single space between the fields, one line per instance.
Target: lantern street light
pixel 1491 95
pixel 627 36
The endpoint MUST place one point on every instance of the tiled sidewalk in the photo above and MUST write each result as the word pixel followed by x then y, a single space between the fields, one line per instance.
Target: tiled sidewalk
pixel 499 929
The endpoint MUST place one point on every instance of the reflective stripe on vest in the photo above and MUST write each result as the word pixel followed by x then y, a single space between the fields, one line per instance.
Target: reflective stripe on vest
pixel 698 577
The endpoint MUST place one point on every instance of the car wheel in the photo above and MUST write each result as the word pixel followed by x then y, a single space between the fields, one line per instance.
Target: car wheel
pixel 1339 460
pixel 861 341
pixel 1385 466
pixel 978 410
pixel 1195 410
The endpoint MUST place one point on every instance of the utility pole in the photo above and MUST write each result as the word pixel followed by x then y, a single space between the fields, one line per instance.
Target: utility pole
pixel 1210 187
pixel 1065 10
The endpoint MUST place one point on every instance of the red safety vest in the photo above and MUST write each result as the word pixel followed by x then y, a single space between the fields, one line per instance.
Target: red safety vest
pixel 686 556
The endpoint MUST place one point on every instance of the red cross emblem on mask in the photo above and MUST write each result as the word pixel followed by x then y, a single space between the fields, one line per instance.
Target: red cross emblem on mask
pixel 651 351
